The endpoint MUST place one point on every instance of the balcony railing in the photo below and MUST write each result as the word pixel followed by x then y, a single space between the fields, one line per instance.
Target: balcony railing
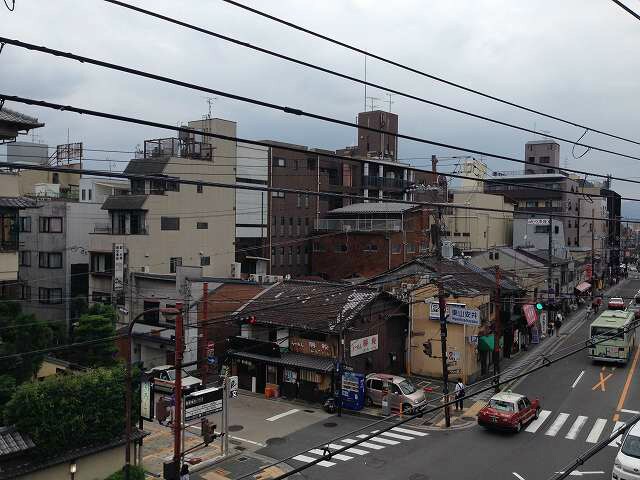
pixel 106 229
pixel 360 224
pixel 385 182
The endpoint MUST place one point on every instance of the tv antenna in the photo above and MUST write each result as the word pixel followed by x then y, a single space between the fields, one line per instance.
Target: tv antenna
pixel 373 102
pixel 210 101
pixel 389 101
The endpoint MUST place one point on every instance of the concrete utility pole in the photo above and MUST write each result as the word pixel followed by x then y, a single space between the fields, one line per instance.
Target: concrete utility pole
pixel 443 326
pixel 593 257
pixel 341 369
pixel 177 417
pixel 549 268
pixel 496 343
pixel 205 332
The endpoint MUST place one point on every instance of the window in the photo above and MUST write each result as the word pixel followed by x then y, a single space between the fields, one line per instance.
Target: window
pixel 274 222
pixel 84 194
pixel 50 260
pixel 281 226
pixel 299 200
pixel 137 187
pixel 411 248
pixel 371 247
pixel 497 257
pixel 277 194
pixel 298 226
pixel 396 248
pixel 174 262
pixel 545 160
pixel 55 178
pixel 532 203
pixel 490 255
pixel 136 224
pixel 205 261
pixel 25 293
pixel 100 297
pixel 89 194
pixel 25 258
pixel 279 162
pixel 295 164
pixel 341 248
pixel 548 203
pixel 556 229
pixel 306 226
pixel 50 224
pixel 311 163
pixel 199 188
pixel 532 159
pixel 172 186
pixel 290 255
pixel 282 259
pixel 25 224
pixel 541 229
pixel 306 201
pixel 169 223
pixel 50 295
pixel 273 255
pixel 151 317
pixel 298 250
pixel 290 226
pixel 202 225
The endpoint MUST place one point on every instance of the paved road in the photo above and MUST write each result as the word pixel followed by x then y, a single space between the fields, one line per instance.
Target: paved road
pixel 580 408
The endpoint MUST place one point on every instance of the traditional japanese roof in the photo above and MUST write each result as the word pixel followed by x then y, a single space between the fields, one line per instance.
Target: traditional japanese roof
pixel 18 120
pixel 124 202
pixel 373 207
pixel 12 441
pixel 17 202
pixel 301 360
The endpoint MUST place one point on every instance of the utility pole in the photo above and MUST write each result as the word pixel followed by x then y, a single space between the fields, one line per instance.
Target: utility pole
pixel 593 257
pixel 177 417
pixel 443 327
pixel 496 343
pixel 205 331
pixel 549 268
pixel 341 369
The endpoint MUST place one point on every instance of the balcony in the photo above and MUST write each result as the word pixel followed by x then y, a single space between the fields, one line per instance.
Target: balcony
pixel 359 224
pixel 9 246
pixel 107 229
pixel 376 182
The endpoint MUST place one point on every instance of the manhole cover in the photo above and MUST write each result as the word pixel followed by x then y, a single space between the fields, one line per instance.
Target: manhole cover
pixel 308 411
pixel 330 424
pixel 468 419
pixel 235 428
pixel 240 449
pixel 276 441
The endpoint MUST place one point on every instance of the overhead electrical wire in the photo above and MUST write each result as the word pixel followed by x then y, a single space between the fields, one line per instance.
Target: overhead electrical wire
pixel 384 60
pixel 624 7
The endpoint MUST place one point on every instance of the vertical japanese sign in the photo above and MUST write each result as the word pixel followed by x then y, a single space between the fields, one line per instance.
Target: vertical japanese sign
pixel 118 267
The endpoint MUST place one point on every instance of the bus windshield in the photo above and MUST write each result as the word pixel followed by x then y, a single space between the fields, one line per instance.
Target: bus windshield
pixel 604 332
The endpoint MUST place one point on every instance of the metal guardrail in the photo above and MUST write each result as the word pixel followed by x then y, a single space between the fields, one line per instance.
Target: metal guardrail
pixel 359 224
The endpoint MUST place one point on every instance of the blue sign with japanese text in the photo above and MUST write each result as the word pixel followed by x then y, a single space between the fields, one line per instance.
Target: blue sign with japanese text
pixel 353 390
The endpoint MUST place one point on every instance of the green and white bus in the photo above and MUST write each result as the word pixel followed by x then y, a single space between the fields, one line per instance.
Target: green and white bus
pixel 617 348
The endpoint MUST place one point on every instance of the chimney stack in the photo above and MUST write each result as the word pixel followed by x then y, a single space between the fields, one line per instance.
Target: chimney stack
pixel 434 163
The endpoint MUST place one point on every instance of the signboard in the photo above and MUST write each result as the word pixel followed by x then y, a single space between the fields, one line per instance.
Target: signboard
pixel 118 267
pixel 211 356
pixel 202 403
pixel 353 390
pixel 232 383
pixel 364 345
pixel 458 313
pixel 146 399
pixel 310 347
pixel 535 335
pixel 543 322
pixel 472 339
pixel 453 356
pixel 537 221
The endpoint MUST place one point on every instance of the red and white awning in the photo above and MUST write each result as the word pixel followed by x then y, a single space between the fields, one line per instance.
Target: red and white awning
pixel 583 287
pixel 530 314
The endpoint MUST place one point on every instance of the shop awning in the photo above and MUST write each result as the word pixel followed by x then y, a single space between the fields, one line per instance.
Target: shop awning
pixel 310 362
pixel 530 314
pixel 583 287
pixel 486 343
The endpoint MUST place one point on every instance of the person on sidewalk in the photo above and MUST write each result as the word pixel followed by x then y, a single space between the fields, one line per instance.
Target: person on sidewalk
pixel 459 392
pixel 558 323
pixel 184 472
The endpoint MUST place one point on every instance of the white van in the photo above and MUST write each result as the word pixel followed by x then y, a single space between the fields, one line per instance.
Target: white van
pixel 627 463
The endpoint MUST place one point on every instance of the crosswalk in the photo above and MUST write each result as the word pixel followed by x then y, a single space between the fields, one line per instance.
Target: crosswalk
pixel 382 440
pixel 574 427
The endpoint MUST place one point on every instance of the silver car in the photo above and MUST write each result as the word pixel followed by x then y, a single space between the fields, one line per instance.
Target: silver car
pixel 402 393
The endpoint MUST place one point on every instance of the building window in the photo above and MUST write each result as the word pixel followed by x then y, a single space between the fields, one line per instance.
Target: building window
pixel 277 194
pixel 174 263
pixel 172 186
pixel 306 201
pixel 282 259
pixel 202 225
pixel 279 162
pixel 50 260
pixel 274 221
pixel 496 256
pixel 101 297
pixel 50 295
pixel 298 250
pixel 306 226
pixel 290 226
pixel 273 255
pixel 89 194
pixel 290 255
pixel 411 248
pixel 545 160
pixel 151 311
pixel 548 203
pixel 298 226
pixel 490 255
pixel 84 194
pixel 205 261
pixel 25 258
pixel 25 224
pixel 281 226
pixel 341 248
pixel 532 159
pixel 396 248
pixel 423 246
pixel 311 163
pixel 25 292
pixel 532 203
pixel 299 200
pixel 199 188
pixel 295 164
pixel 50 224
pixel 169 223
pixel 556 229
pixel 371 247
pixel 541 229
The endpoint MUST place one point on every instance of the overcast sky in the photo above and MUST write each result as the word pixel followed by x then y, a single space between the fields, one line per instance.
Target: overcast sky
pixel 574 58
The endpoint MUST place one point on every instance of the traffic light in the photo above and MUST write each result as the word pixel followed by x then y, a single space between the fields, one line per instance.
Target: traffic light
pixel 426 348
pixel 208 431
pixel 539 306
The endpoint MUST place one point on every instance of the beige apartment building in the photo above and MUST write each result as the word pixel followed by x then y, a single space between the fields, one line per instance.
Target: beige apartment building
pixel 162 224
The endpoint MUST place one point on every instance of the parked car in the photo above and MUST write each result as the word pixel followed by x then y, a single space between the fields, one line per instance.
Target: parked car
pixel 627 463
pixel 402 393
pixel 167 373
pixel 616 303
pixel 508 411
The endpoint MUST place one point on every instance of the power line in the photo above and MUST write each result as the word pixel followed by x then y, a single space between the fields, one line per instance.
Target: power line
pixel 624 7
pixel 138 121
pixel 388 61
pixel 283 108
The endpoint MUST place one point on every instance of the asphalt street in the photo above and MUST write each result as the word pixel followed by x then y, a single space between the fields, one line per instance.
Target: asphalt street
pixel 582 403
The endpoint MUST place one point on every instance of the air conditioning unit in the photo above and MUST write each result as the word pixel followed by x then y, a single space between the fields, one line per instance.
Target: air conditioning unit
pixel 279 278
pixel 144 269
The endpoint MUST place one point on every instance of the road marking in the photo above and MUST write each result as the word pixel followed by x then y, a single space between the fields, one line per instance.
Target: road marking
pixel 396 435
pixel 625 389
pixel 282 415
pixel 380 440
pixel 576 427
pixel 337 456
pixel 409 432
pixel 536 424
pixel 635 412
pixel 602 381
pixel 372 446
pixel 306 459
pixel 519 477
pixel 557 424
pixel 596 431
pixel 578 473
pixel 577 379
pixel 248 441
pixel 357 451
pixel 616 441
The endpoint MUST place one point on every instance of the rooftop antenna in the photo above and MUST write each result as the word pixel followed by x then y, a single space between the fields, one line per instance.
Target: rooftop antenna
pixel 389 101
pixel 373 102
pixel 210 101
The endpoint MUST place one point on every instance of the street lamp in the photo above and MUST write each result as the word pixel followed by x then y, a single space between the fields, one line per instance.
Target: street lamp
pixel 72 469
pixel 169 314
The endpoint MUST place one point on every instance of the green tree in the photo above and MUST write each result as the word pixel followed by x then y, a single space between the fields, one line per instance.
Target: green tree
pixel 97 324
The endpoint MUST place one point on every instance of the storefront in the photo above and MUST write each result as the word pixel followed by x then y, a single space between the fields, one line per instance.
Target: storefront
pixel 582 290
pixel 533 323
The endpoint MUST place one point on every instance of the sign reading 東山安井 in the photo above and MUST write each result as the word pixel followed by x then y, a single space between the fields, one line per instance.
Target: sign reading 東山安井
pixel 202 403
pixel 458 313
pixel 538 221
pixel 364 345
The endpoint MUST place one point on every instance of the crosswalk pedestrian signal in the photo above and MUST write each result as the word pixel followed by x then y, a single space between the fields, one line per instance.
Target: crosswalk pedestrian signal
pixel 426 348
pixel 208 431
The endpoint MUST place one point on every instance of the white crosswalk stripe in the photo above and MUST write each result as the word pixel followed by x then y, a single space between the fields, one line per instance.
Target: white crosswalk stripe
pixel 557 424
pixel 415 433
pixel 337 456
pixel 596 430
pixel 306 459
pixel 536 424
pixel 372 446
pixel 616 442
pixel 380 440
pixel 396 435
pixel 576 427
pixel 357 451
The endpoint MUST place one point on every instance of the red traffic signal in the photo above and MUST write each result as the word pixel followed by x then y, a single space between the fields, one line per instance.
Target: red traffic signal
pixel 249 320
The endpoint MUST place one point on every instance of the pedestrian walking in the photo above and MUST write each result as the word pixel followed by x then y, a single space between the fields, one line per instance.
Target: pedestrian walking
pixel 459 392
pixel 550 328
pixel 558 323
pixel 184 472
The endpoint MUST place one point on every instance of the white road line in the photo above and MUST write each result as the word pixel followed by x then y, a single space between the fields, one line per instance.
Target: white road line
pixel 519 477
pixel 372 446
pixel 557 424
pixel 337 456
pixel 616 442
pixel 576 427
pixel 409 432
pixel 386 441
pixel 596 431
pixel 396 435
pixel 306 459
pixel 635 412
pixel 357 451
pixel 248 441
pixel 577 379
pixel 536 424
pixel 281 415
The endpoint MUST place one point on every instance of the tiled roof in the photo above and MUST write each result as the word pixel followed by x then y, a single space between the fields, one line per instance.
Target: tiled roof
pixel 20 119
pixel 373 207
pixel 124 202
pixel 17 202
pixel 147 166
pixel 319 306
pixel 310 362
pixel 12 441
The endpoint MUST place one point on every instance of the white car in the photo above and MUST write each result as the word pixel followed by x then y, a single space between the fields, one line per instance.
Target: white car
pixel 627 463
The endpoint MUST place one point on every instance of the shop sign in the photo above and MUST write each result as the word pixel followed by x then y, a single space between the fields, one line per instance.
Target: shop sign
pixel 310 347
pixel 203 403
pixel 538 221
pixel 146 399
pixel 364 345
pixel 118 267
pixel 458 314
